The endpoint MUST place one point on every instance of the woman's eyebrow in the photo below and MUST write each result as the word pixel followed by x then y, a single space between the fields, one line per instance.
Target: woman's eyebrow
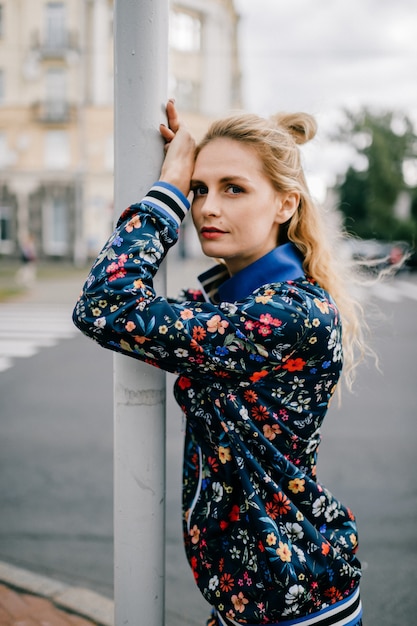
pixel 228 179
pixel 223 179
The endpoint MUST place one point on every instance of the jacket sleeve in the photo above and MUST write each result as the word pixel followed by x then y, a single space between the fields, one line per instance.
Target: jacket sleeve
pixel 118 306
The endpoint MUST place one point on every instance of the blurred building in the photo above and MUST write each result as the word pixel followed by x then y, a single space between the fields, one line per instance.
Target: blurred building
pixel 56 112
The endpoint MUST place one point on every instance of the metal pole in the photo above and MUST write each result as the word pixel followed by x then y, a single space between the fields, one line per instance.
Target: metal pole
pixel 141 60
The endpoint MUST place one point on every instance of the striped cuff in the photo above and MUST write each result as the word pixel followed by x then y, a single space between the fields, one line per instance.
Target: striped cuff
pixel 169 200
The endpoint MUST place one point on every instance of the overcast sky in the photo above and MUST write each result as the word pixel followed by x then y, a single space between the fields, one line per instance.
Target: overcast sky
pixel 321 55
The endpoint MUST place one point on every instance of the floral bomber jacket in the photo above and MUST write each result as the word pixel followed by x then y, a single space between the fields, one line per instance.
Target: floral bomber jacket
pixel 257 364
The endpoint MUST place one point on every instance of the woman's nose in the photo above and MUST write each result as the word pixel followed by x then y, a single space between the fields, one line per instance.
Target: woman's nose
pixel 210 205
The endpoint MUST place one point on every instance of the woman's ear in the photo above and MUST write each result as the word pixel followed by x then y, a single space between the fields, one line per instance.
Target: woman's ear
pixel 288 205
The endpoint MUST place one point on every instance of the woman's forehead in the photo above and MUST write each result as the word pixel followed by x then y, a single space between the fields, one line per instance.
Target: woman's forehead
pixel 226 157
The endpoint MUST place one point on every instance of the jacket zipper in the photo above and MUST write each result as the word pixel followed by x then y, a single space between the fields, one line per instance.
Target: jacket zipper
pixel 198 490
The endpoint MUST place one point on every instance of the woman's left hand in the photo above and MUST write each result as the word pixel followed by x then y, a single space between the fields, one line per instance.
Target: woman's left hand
pixel 178 164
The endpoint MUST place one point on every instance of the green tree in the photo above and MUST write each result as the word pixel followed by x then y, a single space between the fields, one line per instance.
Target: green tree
pixel 384 143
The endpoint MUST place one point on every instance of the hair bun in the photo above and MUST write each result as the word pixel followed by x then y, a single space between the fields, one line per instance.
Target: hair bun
pixel 301 126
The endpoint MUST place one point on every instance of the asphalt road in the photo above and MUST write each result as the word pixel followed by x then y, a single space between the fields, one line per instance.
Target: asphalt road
pixel 56 470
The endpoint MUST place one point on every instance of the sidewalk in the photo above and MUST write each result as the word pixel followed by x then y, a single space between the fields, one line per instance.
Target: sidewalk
pixel 27 599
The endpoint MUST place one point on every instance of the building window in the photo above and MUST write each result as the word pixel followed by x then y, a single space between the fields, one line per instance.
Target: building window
pixel 5 228
pixel 55 87
pixel 55 226
pixel 185 32
pixel 57 153
pixel 55 24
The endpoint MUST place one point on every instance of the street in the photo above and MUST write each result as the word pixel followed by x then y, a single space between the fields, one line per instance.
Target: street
pixel 56 466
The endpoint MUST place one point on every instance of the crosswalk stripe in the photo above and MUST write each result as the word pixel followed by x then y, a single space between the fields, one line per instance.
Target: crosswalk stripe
pixel 24 330
pixel 394 291
pixel 14 347
pixel 386 292
pixel 5 363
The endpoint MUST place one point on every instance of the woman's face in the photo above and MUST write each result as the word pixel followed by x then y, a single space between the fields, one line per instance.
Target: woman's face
pixel 236 210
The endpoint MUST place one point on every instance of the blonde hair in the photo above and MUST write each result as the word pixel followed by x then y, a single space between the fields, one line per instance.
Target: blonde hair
pixel 276 141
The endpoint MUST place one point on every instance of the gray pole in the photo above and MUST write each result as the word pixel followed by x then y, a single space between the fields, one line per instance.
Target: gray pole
pixel 141 60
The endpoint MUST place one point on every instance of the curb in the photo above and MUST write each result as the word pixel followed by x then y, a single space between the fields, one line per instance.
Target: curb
pixel 82 602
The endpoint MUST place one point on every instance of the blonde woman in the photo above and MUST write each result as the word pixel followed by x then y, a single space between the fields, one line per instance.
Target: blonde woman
pixel 258 353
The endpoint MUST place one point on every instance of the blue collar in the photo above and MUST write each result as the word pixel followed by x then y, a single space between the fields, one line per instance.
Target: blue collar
pixel 281 264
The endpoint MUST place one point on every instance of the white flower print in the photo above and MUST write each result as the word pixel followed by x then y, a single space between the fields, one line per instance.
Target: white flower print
pixel 181 353
pixel 243 535
pixel 337 353
pixel 319 506
pixel 331 512
pixel 294 594
pixel 294 531
pixel 217 492
pixel 214 583
pixel 150 256
pixel 244 413
pixel 333 339
pixel 299 553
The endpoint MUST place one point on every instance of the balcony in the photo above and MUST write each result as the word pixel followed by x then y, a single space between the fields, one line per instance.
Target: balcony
pixel 54 112
pixel 55 45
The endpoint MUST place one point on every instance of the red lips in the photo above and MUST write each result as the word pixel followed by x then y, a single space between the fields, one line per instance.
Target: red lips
pixel 210 232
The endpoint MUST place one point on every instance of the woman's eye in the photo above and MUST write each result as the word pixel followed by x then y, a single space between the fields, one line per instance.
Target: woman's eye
pixel 234 189
pixel 199 190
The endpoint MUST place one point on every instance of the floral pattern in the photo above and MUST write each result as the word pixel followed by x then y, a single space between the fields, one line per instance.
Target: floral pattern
pixel 265 540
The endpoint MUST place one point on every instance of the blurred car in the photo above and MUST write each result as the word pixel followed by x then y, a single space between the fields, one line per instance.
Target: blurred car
pixel 378 255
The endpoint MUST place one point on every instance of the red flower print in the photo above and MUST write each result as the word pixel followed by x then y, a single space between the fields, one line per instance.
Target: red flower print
pixel 250 396
pixel 294 365
pixel 199 333
pixel 264 331
pixel 120 274
pixel 195 346
pixel 271 510
pixel 113 267
pixel 333 594
pixel 258 375
pixel 184 382
pixel 213 462
pixel 283 502
pixel 234 514
pixel 279 506
pixel 260 413
pixel 226 582
pixel 265 318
